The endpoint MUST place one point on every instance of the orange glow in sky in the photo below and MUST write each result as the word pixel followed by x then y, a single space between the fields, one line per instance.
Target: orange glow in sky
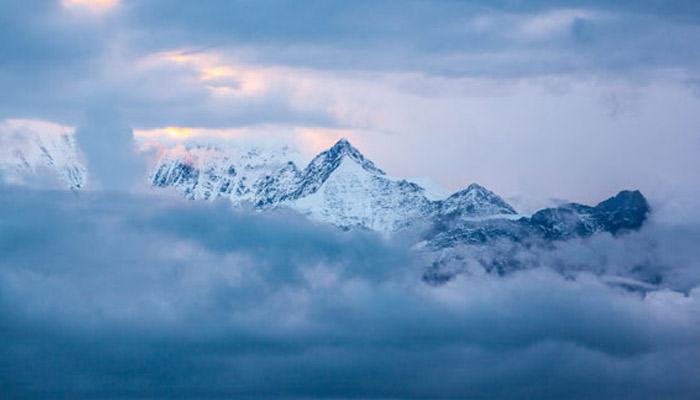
pixel 308 140
pixel 220 77
pixel 173 132
pixel 178 132
pixel 93 5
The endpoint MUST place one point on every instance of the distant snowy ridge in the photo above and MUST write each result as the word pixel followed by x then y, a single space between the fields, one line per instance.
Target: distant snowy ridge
pixel 339 186
pixel 342 187
pixel 33 150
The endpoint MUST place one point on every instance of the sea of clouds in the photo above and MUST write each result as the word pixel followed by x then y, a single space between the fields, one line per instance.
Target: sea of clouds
pixel 118 296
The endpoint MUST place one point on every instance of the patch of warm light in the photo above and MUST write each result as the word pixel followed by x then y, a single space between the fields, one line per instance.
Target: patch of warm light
pixel 171 132
pixel 93 5
pixel 178 132
pixel 178 58
pixel 183 57
pixel 221 77
pixel 216 72
pixel 309 140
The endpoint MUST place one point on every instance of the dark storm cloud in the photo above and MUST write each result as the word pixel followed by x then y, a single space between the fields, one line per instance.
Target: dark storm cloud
pixel 123 296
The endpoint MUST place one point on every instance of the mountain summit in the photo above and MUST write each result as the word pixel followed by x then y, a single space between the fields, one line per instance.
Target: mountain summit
pixel 327 162
pixel 475 201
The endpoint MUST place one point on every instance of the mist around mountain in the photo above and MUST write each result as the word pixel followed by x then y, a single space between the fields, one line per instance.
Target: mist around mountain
pixel 248 274
pixel 343 188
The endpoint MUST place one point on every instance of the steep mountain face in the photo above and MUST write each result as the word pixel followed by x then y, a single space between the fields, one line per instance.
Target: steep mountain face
pixel 354 197
pixel 327 162
pixel 342 187
pixel 32 151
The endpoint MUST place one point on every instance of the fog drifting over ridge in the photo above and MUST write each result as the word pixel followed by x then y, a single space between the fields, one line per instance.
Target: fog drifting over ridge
pixel 131 296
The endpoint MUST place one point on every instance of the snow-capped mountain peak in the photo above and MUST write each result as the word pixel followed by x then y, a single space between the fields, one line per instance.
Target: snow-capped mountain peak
pixel 475 201
pixel 342 148
pixel 325 163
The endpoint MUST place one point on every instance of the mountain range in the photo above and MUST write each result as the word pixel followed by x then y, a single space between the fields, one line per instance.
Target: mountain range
pixel 340 186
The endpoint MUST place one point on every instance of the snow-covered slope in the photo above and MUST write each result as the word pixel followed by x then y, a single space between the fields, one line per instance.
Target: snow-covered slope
pixel 342 187
pixel 243 174
pixel 433 190
pixel 33 151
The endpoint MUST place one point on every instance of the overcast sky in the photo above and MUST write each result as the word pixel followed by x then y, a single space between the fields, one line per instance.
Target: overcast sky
pixel 536 100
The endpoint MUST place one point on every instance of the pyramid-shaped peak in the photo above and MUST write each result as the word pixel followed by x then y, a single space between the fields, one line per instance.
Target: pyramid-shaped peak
pixel 341 149
pixel 342 142
pixel 343 146
pixel 326 162
pixel 476 200
pixel 476 187
pixel 472 190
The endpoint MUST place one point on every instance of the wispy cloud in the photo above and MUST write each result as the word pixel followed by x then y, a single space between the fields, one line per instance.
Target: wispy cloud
pixel 92 5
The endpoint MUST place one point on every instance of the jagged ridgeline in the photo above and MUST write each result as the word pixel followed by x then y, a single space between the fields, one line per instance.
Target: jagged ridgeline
pixel 340 186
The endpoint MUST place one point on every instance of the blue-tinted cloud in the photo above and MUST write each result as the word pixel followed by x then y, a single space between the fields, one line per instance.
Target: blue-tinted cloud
pixel 57 61
pixel 122 296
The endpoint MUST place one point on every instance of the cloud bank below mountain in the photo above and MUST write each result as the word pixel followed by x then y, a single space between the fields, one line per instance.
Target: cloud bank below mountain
pixel 126 296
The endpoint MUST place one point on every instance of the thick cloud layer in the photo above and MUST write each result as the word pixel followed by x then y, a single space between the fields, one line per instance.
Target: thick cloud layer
pixel 123 296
